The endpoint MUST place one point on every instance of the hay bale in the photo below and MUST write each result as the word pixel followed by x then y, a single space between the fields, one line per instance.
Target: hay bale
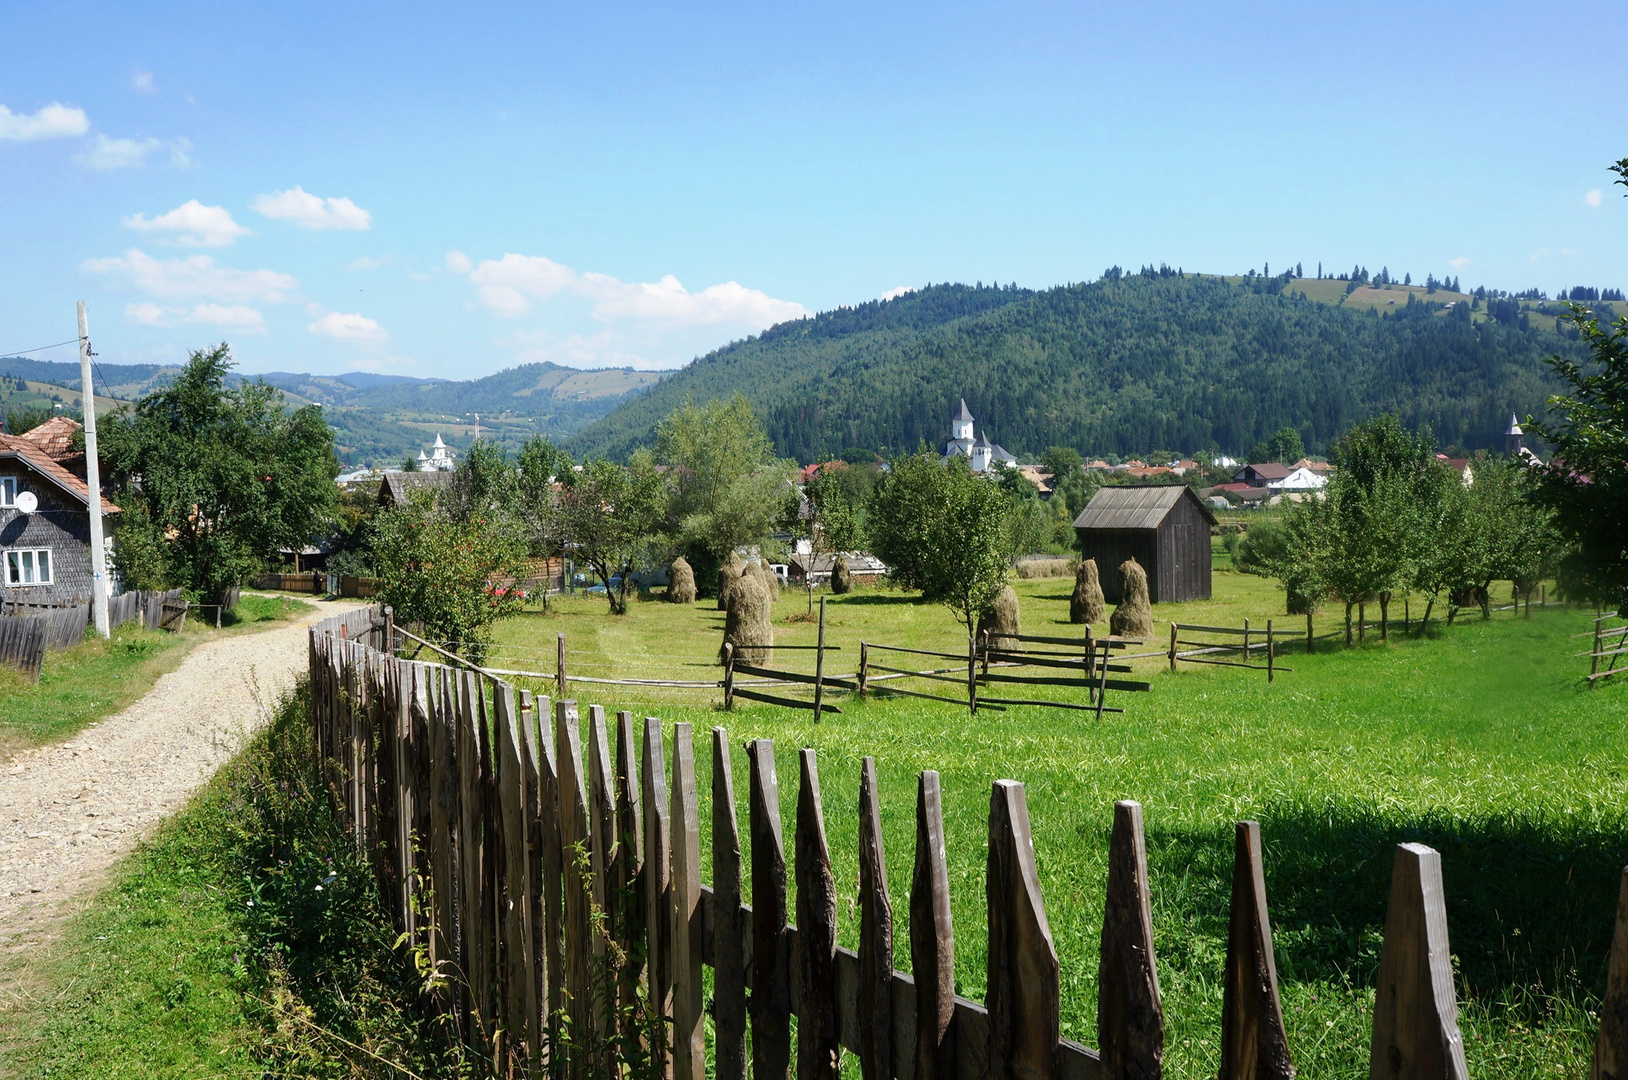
pixel 768 579
pixel 728 574
pixel 1086 606
pixel 1002 617
pixel 842 577
pixel 1133 618
pixel 1029 569
pixel 680 582
pixel 747 622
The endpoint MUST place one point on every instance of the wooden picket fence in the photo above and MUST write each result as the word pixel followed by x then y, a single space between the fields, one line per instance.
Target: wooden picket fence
pixel 556 893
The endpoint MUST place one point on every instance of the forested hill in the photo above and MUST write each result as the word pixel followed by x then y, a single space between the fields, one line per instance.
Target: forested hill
pixel 1123 365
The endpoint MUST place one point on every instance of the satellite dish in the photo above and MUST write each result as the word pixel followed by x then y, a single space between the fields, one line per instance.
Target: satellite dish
pixel 27 502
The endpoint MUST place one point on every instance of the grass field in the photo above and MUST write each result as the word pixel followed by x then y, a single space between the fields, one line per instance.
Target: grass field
pixel 1477 739
pixel 97 678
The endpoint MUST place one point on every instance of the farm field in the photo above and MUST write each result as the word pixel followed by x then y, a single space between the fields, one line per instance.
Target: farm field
pixel 1478 740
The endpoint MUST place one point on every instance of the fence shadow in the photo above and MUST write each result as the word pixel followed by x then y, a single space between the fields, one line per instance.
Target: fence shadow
pixel 1530 901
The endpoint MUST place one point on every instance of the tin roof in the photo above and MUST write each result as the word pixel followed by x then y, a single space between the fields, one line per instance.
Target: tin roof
pixel 1134 507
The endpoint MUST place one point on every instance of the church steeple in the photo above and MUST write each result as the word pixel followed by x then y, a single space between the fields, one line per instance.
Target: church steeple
pixel 1513 437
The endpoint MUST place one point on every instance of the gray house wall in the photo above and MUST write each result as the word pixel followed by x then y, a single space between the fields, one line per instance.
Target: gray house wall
pixel 61 525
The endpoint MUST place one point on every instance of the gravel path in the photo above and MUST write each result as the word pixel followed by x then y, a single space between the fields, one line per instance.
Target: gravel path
pixel 69 811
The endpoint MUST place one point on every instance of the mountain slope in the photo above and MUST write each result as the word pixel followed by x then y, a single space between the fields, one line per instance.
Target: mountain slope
pixel 1130 365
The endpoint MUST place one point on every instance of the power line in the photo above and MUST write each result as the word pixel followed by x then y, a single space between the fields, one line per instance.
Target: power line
pixel 42 348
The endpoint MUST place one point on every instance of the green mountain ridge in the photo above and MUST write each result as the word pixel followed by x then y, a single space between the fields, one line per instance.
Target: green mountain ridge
pixel 1126 364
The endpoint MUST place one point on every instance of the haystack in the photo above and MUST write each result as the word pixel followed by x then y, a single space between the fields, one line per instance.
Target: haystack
pixel 680 582
pixel 768 579
pixel 747 622
pixel 1086 606
pixel 1133 618
pixel 842 576
pixel 728 574
pixel 1002 616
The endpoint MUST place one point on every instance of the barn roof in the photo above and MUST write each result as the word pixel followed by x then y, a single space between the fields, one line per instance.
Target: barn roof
pixel 1134 507
pixel 394 488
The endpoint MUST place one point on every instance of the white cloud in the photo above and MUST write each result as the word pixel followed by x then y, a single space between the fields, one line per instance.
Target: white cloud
pixel 1458 263
pixel 366 262
pixel 1594 197
pixel 239 317
pixel 196 276
pixel 313 211
pixel 143 81
pixel 192 224
pixel 54 121
pixel 106 154
pixel 507 286
pixel 902 290
pixel 351 327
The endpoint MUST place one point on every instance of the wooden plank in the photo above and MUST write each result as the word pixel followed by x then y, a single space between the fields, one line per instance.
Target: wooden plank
pixel 601 856
pixel 993 702
pixel 551 952
pixel 875 997
pixel 916 652
pixel 630 933
pixel 655 889
pixel 728 952
pixel 1040 640
pixel 446 937
pixel 771 673
pixel 1415 1010
pixel 1024 979
pixel 818 1053
pixel 819 663
pixel 474 919
pixel 1036 680
pixel 520 999
pixel 932 939
pixel 1254 1045
pixel 576 877
pixel 959 680
pixel 543 948
pixel 1611 1044
pixel 1217 629
pixel 1130 1014
pixel 771 967
pixel 789 703
pixel 919 694
pixel 689 1029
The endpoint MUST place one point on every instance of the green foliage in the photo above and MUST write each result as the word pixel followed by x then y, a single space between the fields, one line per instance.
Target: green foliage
pixel 728 489
pixel 447 572
pixel 944 531
pixel 1117 366
pixel 1587 481
pixel 227 476
pixel 23 418
pixel 141 555
pixel 1286 446
pixel 609 516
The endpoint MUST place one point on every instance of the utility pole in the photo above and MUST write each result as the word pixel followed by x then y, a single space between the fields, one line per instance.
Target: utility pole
pixel 93 479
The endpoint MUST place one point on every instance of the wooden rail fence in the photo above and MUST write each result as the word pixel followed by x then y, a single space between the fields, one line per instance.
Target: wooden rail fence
pixel 1224 652
pixel 556 890
pixel 1610 644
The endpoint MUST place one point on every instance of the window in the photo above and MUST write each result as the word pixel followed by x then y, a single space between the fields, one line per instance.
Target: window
pixel 28 566
pixel 8 491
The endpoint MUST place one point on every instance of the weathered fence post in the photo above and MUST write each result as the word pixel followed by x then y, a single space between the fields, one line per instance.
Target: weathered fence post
pixel 1173 647
pixel 629 860
pixel 771 984
pixel 1024 988
pixel 1246 641
pixel 729 677
pixel 864 669
pixel 1130 1014
pixel 932 938
pixel 972 675
pixel 543 777
pixel 559 665
pixel 728 952
pixel 1310 640
pixel 577 884
pixel 1253 1043
pixel 689 1034
pixel 1611 1044
pixel 657 838
pixel 1271 651
pixel 1416 1033
pixel 520 989
pixel 819 664
pixel 875 936
pixel 817 1046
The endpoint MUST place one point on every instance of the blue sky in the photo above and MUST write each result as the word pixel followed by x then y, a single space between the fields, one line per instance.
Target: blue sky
pixel 452 189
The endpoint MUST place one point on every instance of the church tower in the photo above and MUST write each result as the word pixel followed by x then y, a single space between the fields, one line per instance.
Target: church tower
pixel 1513 438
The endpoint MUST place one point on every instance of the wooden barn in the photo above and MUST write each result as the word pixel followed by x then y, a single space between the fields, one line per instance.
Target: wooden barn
pixel 1164 527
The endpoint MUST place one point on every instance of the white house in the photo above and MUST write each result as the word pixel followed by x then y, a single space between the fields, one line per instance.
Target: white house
pixel 1301 479
pixel 978 449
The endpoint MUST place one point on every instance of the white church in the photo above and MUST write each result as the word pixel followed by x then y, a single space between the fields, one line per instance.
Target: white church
pixel 439 459
pixel 982 453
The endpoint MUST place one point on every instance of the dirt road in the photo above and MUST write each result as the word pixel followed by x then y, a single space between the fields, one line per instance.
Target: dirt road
pixel 67 812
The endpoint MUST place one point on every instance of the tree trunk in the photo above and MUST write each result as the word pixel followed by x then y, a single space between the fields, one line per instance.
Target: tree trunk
pixel 1384 616
pixel 1362 622
pixel 1486 600
pixel 1425 625
pixel 1348 626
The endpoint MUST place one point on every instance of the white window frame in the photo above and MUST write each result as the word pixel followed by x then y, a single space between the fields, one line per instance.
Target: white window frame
pixel 8 491
pixel 17 558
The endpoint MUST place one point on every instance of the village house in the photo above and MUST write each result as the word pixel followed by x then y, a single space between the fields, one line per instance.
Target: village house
pixel 1265 474
pixel 45 519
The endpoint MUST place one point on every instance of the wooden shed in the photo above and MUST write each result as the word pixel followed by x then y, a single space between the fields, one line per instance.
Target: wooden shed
pixel 1164 527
